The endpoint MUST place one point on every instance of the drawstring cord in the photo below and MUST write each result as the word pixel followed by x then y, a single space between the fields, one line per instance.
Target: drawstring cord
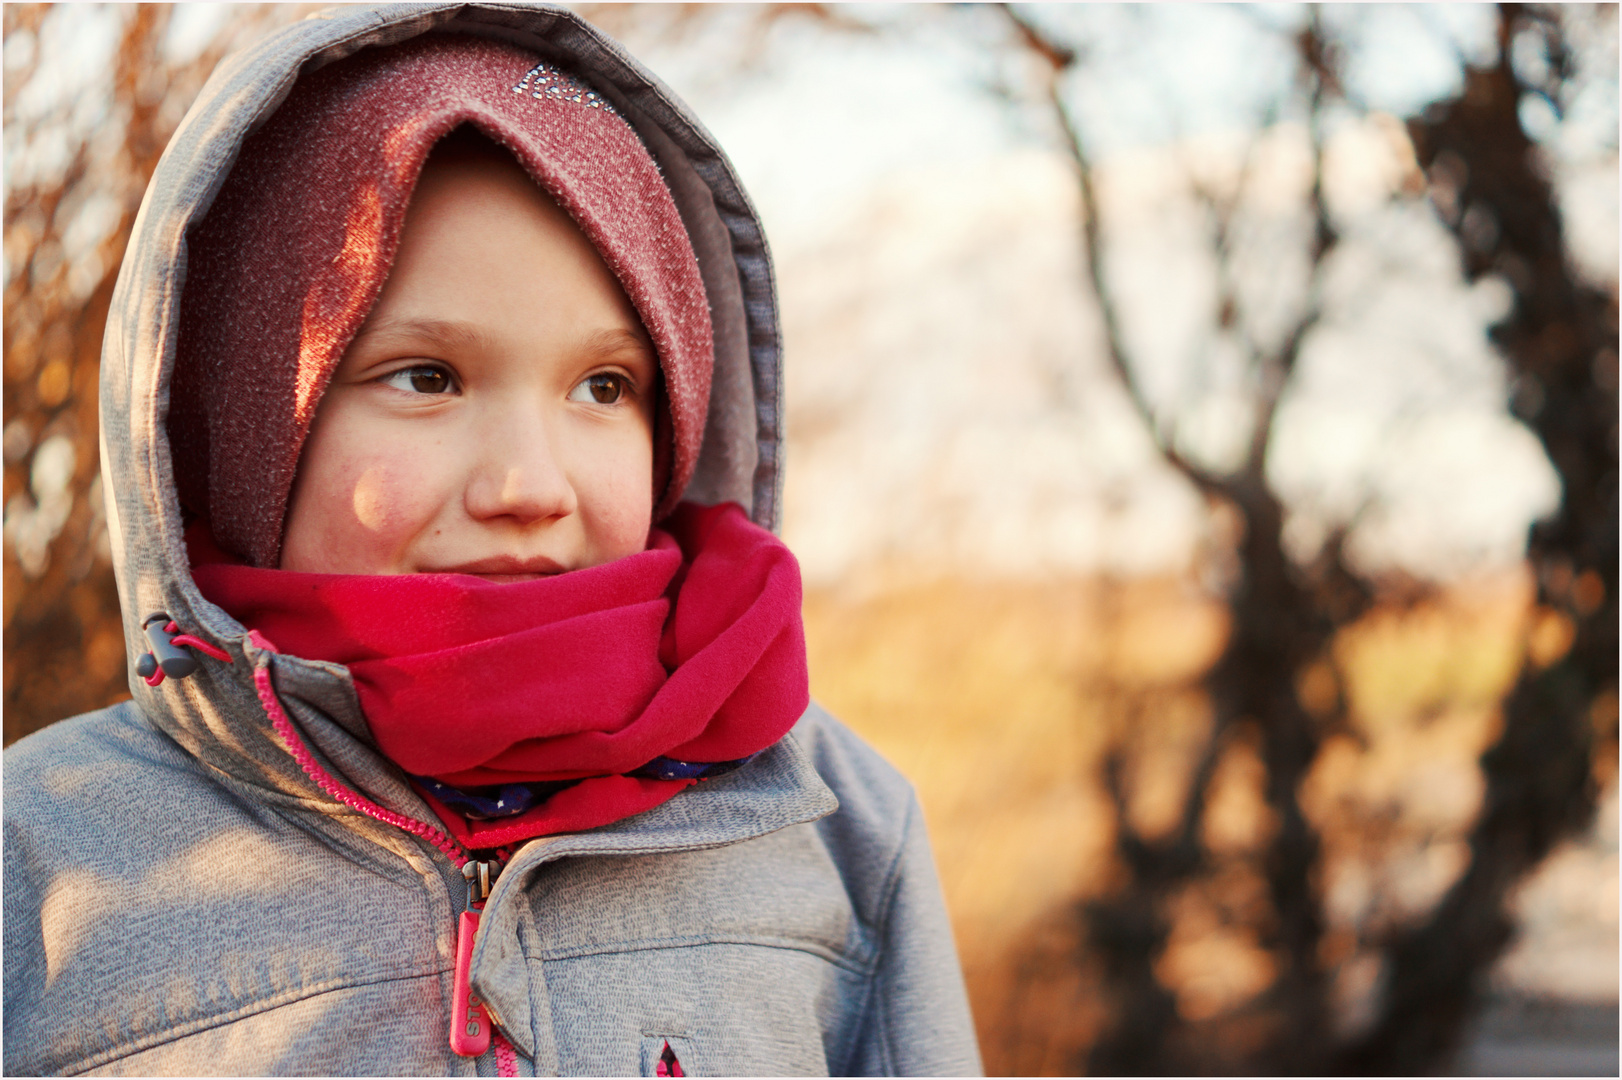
pixel 166 659
pixel 323 779
pixel 506 1056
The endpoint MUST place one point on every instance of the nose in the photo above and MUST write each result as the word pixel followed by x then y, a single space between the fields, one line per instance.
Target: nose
pixel 519 474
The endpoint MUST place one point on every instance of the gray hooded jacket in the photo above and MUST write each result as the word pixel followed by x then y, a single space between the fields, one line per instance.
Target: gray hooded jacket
pixel 181 897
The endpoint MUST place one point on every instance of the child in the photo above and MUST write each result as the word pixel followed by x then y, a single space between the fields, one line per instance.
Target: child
pixel 441 415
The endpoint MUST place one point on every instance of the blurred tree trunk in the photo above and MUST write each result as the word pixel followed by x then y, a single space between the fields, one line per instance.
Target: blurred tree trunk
pixel 1560 338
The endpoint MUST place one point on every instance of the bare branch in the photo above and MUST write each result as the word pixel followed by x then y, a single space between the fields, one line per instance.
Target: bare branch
pixel 1230 312
pixel 1317 70
pixel 1059 59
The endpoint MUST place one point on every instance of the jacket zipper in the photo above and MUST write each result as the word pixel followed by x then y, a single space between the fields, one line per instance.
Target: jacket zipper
pixel 470 1022
pixel 471 1029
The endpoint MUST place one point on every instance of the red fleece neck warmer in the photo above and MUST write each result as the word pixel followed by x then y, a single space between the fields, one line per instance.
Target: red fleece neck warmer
pixel 692 650
pixel 293 253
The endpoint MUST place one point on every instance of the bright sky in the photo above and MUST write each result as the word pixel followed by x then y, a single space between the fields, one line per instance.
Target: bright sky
pixel 826 112
pixel 1399 420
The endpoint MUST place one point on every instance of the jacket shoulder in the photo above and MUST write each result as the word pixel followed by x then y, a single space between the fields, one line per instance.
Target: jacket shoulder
pixel 66 760
pixel 849 766
pixel 917 1022
pixel 878 811
pixel 106 773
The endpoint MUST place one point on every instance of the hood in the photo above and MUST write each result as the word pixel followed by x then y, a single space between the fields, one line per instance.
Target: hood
pixel 215 713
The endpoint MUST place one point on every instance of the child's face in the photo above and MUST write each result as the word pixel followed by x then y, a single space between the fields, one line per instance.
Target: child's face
pixel 494 415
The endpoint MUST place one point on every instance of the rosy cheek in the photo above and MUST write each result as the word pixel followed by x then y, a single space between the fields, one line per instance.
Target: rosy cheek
pixel 383 503
pixel 374 498
pixel 353 515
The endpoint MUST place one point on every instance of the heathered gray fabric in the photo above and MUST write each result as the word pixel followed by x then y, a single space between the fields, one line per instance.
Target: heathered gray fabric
pixel 181 898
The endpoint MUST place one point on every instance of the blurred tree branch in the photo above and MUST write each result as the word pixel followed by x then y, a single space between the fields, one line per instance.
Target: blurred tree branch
pixel 71 197
pixel 1280 624
pixel 1560 338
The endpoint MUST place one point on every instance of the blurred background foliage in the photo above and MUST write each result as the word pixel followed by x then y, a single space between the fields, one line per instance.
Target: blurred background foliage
pixel 1202 459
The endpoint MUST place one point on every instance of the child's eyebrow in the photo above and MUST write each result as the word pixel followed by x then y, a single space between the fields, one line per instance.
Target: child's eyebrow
pixel 445 333
pixel 608 343
pixel 462 334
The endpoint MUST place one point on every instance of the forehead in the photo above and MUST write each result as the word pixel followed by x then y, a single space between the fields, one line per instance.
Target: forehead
pixel 488 265
pixel 468 176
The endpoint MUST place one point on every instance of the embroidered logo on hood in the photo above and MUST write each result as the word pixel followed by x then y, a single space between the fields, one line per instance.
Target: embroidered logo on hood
pixel 551 83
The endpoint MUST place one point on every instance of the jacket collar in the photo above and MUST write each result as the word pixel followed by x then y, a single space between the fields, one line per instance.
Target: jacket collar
pixel 778 789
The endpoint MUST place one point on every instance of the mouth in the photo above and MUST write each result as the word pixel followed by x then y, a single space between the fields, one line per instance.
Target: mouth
pixel 506 568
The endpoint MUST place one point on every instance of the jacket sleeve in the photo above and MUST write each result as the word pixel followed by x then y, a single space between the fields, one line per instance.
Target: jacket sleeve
pixel 918 1021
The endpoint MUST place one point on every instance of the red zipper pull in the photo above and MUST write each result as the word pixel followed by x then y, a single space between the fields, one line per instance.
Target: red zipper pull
pixel 470 1024
pixel 470 1020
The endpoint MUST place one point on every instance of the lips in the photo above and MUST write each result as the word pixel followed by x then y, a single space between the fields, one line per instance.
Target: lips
pixel 506 568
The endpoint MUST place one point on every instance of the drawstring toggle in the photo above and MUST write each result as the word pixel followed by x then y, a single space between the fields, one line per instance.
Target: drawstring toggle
pixel 166 657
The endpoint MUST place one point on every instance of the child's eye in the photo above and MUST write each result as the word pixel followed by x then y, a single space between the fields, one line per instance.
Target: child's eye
pixel 604 388
pixel 420 380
